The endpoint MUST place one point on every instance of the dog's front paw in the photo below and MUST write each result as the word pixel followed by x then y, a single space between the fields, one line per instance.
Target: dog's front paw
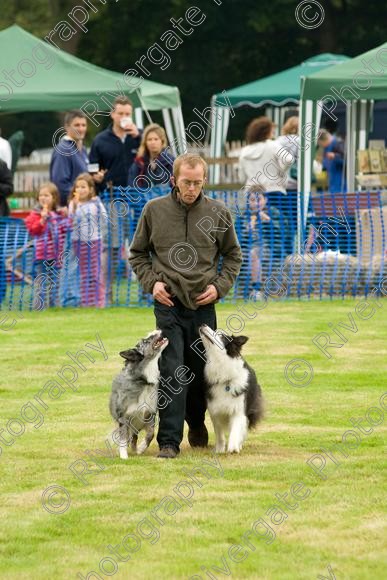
pixel 141 448
pixel 234 448
pixel 220 448
pixel 124 454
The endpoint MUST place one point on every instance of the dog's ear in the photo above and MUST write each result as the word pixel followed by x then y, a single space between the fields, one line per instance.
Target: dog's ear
pixel 240 340
pixel 233 348
pixel 132 355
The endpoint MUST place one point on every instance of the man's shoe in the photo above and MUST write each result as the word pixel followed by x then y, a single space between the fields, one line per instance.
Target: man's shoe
pixel 198 437
pixel 168 453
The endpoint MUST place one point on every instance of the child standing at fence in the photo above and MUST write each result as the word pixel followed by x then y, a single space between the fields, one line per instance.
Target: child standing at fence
pixel 88 237
pixel 263 238
pixel 49 227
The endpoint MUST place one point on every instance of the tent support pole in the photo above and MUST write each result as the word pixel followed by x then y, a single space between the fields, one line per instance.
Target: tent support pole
pixel 169 129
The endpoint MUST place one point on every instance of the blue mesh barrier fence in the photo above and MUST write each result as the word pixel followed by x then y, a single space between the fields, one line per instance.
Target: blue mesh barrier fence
pixel 85 263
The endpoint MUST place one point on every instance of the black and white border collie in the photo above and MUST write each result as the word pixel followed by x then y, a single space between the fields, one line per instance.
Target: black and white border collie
pixel 234 397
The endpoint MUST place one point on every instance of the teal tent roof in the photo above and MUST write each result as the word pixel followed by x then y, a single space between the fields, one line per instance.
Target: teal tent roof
pixel 53 80
pixel 368 83
pixel 280 88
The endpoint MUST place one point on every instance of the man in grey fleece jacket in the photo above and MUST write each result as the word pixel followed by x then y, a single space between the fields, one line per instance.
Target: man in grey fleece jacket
pixel 175 253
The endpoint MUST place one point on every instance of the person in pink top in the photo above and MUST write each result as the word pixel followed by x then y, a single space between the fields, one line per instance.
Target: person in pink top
pixel 48 226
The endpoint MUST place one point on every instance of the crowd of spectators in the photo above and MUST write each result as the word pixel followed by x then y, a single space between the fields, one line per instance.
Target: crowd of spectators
pixel 72 214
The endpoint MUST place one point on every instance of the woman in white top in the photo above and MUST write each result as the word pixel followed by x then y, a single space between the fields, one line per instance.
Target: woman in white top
pixel 265 162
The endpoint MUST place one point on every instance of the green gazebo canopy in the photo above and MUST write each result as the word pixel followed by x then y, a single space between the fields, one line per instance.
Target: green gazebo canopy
pixel 281 88
pixel 276 90
pixel 48 79
pixel 364 74
pixel 357 83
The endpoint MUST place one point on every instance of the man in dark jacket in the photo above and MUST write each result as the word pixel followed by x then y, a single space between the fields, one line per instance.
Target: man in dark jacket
pixel 6 188
pixel 175 254
pixel 69 158
pixel 115 148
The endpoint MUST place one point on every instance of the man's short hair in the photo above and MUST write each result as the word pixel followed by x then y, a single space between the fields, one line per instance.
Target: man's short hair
pixel 71 115
pixel 190 159
pixel 323 135
pixel 122 100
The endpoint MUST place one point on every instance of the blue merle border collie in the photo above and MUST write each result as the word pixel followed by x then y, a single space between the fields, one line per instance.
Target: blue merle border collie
pixel 133 401
pixel 234 397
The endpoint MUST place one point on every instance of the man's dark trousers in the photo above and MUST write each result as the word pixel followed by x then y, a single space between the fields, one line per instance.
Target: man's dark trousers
pixel 181 326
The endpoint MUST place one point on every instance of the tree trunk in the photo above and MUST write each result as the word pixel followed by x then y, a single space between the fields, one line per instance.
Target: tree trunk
pixel 327 30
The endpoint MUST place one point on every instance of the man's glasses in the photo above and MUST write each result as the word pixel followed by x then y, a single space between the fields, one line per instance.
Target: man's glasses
pixel 187 183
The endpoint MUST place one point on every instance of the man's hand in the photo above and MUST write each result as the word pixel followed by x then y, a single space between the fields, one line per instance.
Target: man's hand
pixel 330 155
pixel 98 177
pixel 132 130
pixel 161 295
pixel 209 295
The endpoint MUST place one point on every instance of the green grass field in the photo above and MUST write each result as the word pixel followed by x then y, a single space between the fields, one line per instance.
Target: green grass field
pixel 336 530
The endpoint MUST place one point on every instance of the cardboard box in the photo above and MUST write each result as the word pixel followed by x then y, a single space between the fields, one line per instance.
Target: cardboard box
pixel 376 144
pixel 369 180
pixel 375 161
pixel 383 160
pixel 363 161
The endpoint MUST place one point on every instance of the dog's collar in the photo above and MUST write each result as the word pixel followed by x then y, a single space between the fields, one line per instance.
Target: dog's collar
pixel 143 380
pixel 239 393
pixel 228 388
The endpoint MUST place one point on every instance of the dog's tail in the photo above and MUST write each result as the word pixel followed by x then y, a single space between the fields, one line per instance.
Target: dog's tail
pixel 255 413
pixel 254 404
